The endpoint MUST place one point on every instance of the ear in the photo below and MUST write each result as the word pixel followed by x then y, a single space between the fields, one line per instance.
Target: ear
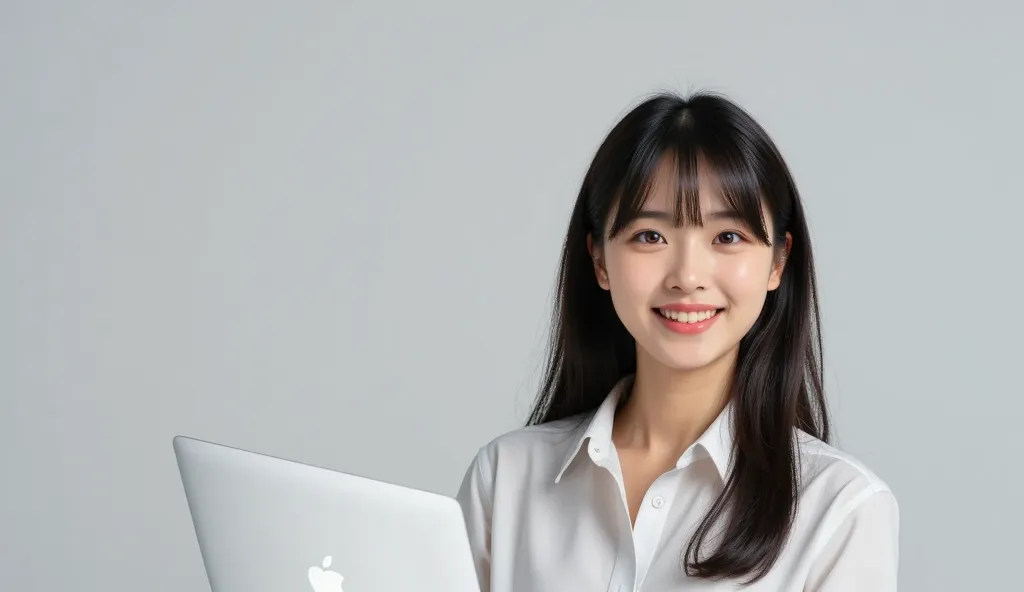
pixel 597 256
pixel 779 264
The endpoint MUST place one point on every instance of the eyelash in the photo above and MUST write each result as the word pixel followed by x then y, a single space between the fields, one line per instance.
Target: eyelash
pixel 739 237
pixel 637 236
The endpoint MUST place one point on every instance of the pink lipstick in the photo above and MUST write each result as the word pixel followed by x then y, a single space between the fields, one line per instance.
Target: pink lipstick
pixel 688 319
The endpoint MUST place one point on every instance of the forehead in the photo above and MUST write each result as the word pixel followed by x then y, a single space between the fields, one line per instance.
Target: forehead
pixel 667 185
pixel 685 190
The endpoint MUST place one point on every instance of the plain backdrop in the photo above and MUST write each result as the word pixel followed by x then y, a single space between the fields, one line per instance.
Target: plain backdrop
pixel 328 230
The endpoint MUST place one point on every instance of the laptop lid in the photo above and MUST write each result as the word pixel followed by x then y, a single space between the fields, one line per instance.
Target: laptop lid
pixel 266 524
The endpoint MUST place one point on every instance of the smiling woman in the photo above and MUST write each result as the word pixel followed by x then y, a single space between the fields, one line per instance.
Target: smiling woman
pixel 686 362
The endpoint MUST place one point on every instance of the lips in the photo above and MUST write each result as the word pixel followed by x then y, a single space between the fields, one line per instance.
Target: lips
pixel 688 319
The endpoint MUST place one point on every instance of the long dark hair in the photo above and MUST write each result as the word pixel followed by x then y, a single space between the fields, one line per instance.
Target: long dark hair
pixel 778 382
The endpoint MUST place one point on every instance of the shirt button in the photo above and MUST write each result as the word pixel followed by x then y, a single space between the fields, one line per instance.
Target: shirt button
pixel 658 501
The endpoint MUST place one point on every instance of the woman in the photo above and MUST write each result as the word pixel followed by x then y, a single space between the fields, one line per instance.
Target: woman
pixel 679 439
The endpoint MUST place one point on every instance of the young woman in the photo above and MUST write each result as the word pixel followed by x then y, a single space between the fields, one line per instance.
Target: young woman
pixel 679 439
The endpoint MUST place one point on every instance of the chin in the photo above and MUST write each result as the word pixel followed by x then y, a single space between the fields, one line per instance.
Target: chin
pixel 688 360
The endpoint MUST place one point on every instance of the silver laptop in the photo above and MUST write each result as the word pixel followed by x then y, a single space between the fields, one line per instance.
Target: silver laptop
pixel 270 525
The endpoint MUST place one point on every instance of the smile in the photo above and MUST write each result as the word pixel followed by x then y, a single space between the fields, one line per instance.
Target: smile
pixel 688 323
pixel 687 317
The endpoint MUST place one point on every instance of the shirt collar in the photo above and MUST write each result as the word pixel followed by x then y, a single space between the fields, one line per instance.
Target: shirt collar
pixel 716 442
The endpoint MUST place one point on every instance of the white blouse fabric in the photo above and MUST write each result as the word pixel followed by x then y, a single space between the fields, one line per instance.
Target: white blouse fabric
pixel 546 512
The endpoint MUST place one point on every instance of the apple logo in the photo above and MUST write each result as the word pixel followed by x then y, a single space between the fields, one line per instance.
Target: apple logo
pixel 324 580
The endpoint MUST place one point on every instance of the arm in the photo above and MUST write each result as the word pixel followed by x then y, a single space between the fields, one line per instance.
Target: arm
pixel 863 552
pixel 475 497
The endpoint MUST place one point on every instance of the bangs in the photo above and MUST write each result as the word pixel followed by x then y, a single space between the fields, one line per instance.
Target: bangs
pixel 687 152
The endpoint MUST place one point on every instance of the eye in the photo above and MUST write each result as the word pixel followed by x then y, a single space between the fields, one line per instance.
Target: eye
pixel 729 238
pixel 648 237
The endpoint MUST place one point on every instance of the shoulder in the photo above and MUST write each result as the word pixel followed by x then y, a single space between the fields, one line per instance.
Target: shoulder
pixel 837 488
pixel 524 457
pixel 848 519
pixel 540 448
pixel 827 465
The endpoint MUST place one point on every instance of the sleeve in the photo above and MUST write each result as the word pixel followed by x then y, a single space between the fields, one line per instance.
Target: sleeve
pixel 476 498
pixel 863 552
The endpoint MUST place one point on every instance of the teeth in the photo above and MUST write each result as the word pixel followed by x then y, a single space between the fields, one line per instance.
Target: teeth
pixel 684 317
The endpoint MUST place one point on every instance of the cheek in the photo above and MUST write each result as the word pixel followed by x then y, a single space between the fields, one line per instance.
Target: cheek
pixel 632 279
pixel 744 278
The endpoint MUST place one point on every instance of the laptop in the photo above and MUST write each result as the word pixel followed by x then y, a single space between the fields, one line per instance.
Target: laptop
pixel 265 524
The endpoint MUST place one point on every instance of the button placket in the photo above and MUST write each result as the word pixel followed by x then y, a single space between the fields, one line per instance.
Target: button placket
pixel 624 572
pixel 650 522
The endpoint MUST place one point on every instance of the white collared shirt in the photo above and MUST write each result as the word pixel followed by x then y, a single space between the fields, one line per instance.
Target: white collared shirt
pixel 546 511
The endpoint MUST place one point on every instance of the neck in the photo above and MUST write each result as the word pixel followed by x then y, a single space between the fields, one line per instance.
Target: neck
pixel 668 409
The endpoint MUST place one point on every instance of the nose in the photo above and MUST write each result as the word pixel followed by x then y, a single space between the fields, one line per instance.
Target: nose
pixel 689 269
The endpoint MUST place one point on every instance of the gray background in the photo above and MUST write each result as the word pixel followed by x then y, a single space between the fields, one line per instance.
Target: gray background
pixel 329 230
